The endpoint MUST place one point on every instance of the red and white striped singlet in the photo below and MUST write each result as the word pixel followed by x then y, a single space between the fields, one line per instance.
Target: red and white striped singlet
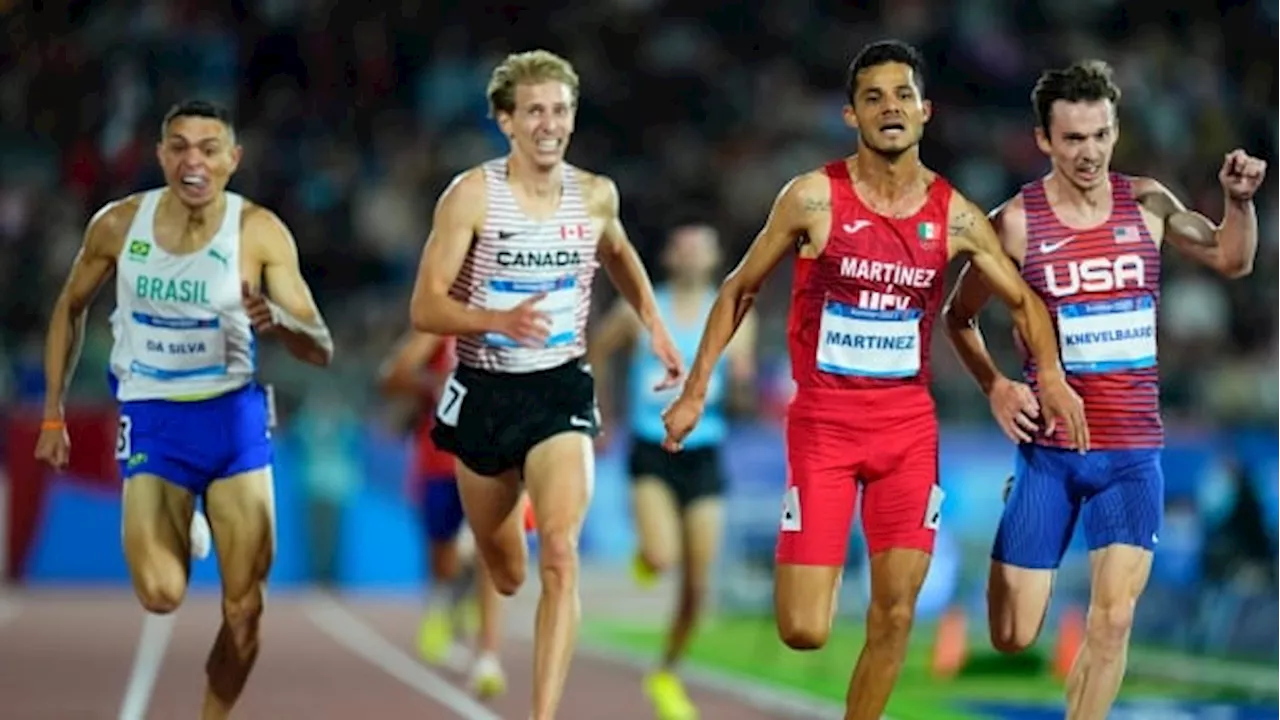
pixel 515 257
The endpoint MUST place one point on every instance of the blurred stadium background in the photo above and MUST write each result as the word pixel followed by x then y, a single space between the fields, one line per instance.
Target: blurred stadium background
pixel 354 117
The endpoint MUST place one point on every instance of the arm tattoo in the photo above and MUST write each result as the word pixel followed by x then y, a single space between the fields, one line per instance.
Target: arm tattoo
pixel 962 224
pixel 816 205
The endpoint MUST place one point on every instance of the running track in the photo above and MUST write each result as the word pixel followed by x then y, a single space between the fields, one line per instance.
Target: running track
pixel 89 655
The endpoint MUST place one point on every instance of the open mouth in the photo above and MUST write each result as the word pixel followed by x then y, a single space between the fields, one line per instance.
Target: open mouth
pixel 548 145
pixel 893 129
pixel 195 182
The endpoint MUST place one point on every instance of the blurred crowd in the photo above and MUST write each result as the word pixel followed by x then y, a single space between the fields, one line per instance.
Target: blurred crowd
pixel 354 117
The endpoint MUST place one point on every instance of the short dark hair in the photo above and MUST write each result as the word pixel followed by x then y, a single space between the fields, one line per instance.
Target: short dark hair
pixel 879 53
pixel 1083 81
pixel 198 108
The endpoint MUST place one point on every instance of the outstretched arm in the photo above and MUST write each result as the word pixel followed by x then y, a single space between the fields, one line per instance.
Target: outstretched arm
pixel 787 223
pixel 1227 248
pixel 293 311
pixel 92 267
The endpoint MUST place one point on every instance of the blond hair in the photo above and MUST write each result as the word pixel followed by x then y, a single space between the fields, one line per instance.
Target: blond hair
pixel 532 67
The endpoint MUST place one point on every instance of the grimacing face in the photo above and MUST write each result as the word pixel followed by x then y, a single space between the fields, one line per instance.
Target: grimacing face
pixel 198 156
pixel 541 123
pixel 1082 137
pixel 888 110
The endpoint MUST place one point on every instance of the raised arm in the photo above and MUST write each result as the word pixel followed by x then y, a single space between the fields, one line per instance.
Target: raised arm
pixel 293 314
pixel 1229 247
pixel 92 267
pixel 971 233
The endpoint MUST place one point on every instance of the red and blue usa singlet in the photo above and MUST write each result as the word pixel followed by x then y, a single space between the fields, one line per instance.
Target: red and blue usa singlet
pixel 1102 288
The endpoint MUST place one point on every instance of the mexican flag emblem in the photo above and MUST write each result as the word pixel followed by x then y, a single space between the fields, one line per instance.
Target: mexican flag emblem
pixel 927 232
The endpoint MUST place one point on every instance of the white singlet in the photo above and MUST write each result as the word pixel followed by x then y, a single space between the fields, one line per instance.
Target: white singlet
pixel 180 330
pixel 515 257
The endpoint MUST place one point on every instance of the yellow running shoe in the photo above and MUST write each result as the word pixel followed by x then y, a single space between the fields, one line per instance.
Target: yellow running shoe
pixel 435 635
pixel 666 692
pixel 644 575
pixel 487 678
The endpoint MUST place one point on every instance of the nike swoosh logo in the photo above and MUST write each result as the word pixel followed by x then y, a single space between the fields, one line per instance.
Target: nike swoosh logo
pixel 576 421
pixel 1051 247
pixel 855 226
pixel 506 234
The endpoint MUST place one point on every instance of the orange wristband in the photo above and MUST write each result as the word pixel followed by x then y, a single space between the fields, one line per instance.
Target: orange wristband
pixel 52 425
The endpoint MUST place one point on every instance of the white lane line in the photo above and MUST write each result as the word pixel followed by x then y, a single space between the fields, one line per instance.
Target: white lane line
pixel 357 636
pixel 153 641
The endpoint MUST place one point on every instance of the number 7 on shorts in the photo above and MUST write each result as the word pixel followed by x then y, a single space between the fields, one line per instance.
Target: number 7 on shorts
pixel 450 404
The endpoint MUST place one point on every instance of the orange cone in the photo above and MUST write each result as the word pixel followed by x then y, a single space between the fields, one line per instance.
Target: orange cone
pixel 1071 628
pixel 951 644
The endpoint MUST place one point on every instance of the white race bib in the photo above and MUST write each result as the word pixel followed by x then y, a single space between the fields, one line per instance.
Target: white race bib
pixel 561 304
pixel 1108 335
pixel 869 343
pixel 176 348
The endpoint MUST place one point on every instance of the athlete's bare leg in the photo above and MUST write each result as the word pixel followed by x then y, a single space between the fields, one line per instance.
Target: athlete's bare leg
pixel 157 522
pixel 493 509
pixel 490 603
pixel 560 477
pixel 701 525
pixel 443 562
pixel 1118 575
pixel 1017 600
pixel 657 519
pixel 896 578
pixel 241 512
pixel 804 603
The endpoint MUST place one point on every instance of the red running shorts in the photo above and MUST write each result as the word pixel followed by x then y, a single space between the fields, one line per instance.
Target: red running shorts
pixel 884 441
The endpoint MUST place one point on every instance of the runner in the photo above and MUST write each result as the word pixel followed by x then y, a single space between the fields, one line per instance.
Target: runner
pixel 873 235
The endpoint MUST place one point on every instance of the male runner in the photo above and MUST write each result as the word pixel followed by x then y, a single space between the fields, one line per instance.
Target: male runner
pixel 190 260
pixel 507 270
pixel 873 233
pixel 416 370
pixel 1088 241
pixel 676 498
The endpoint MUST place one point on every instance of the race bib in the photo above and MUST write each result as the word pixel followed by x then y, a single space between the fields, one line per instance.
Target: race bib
pixel 1108 335
pixel 869 343
pixel 561 304
pixel 175 348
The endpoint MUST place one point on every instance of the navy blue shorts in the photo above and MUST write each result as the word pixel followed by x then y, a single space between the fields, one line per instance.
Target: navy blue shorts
pixel 1118 494
pixel 441 507
pixel 192 444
